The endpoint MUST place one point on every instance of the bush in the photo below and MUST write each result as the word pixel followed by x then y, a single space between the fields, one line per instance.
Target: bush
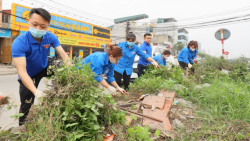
pixel 75 109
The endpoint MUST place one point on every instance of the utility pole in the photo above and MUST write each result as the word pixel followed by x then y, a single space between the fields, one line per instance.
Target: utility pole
pixel 127 29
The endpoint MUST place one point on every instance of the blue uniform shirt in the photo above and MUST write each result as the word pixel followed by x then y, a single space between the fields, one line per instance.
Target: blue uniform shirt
pixel 127 60
pixel 35 53
pixel 160 59
pixel 148 48
pixel 100 64
pixel 186 55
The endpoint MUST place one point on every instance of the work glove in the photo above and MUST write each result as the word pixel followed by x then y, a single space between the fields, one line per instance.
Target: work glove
pixel 121 90
pixel 190 66
pixel 39 95
pixel 155 64
pixel 112 90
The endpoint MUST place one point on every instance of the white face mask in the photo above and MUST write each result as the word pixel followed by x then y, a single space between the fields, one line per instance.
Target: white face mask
pixel 193 49
pixel 113 61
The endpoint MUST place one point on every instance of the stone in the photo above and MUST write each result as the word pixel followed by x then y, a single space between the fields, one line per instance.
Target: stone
pixel 181 116
pixel 206 85
pixel 178 124
pixel 198 87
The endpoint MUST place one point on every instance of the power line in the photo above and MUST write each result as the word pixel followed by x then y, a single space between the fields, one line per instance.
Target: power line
pixel 228 19
pixel 217 14
pixel 212 15
pixel 67 12
pixel 82 11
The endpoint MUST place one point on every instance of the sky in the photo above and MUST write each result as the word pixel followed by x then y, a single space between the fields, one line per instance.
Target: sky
pixel 184 11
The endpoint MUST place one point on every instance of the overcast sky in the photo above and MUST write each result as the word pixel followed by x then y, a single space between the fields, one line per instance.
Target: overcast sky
pixel 238 44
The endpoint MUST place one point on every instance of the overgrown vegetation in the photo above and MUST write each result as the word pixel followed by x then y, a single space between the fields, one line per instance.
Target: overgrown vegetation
pixel 223 107
pixel 74 109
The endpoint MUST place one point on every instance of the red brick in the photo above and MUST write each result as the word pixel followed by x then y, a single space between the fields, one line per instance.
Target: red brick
pixel 157 101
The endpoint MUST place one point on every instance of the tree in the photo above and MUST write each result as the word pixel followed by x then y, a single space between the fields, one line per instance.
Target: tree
pixel 178 47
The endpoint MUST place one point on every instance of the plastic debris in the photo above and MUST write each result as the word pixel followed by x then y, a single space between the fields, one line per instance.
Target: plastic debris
pixel 175 103
pixel 109 137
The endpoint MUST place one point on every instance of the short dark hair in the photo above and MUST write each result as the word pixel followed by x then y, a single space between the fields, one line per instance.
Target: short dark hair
pixel 166 52
pixel 130 35
pixel 193 43
pixel 42 12
pixel 147 34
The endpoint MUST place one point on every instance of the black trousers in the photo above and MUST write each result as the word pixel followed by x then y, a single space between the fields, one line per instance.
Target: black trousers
pixel 126 79
pixel 141 69
pixel 27 97
pixel 184 66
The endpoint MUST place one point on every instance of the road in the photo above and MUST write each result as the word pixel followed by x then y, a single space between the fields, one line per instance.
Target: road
pixel 10 86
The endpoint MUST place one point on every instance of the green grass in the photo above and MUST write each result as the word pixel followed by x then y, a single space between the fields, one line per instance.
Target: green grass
pixel 224 98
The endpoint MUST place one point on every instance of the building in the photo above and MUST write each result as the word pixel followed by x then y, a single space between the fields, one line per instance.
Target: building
pixel 77 38
pixel 124 25
pixel 5 37
pixel 183 36
pixel 165 31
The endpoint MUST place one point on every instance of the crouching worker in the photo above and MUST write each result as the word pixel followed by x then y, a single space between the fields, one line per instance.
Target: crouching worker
pixel 161 58
pixel 103 63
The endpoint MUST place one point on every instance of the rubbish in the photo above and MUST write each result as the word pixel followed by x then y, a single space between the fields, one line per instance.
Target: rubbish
pixel 143 96
pixel 142 115
pixel 153 107
pixel 190 117
pixel 175 103
pixel 160 94
pixel 109 137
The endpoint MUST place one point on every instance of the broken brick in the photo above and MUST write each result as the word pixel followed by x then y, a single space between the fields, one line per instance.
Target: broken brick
pixel 157 101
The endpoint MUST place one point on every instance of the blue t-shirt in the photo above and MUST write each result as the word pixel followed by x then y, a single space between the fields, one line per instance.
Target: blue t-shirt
pixel 100 64
pixel 148 48
pixel 35 53
pixel 160 59
pixel 127 60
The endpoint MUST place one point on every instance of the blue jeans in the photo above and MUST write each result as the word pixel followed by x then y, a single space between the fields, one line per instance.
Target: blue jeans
pixel 141 69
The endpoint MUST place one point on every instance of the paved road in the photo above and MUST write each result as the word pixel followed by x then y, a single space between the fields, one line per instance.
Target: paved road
pixel 10 86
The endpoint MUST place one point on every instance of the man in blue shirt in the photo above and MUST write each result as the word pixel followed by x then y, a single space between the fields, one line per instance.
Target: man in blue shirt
pixel 146 48
pixel 29 52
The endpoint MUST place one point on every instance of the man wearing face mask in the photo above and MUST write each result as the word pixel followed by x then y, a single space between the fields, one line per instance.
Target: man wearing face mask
pixel 161 58
pixel 29 52
pixel 187 55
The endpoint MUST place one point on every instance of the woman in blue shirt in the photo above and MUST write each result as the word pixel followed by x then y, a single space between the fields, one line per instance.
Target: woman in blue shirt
pixel 161 58
pixel 103 63
pixel 125 65
pixel 187 55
